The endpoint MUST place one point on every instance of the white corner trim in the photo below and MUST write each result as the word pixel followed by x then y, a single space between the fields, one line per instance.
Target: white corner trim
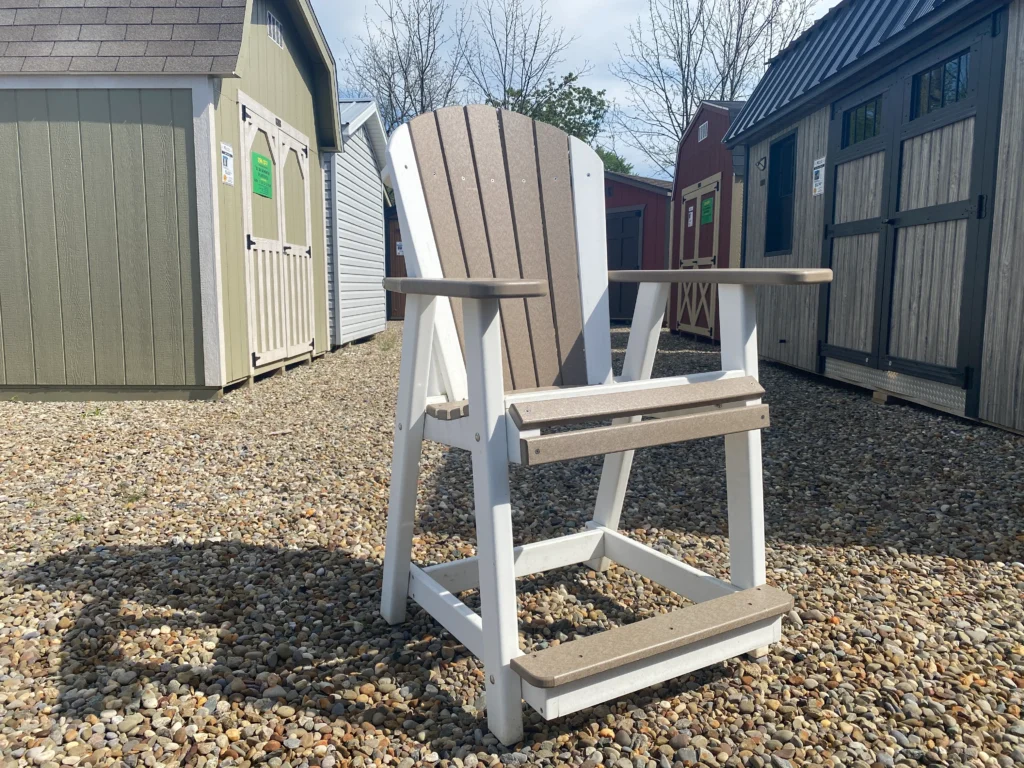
pixel 105 81
pixel 208 223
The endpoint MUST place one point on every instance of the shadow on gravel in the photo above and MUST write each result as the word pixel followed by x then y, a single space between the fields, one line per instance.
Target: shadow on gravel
pixel 233 621
pixel 236 621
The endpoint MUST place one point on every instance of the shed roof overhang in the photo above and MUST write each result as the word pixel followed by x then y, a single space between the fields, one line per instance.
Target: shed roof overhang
pixel 855 42
pixel 325 74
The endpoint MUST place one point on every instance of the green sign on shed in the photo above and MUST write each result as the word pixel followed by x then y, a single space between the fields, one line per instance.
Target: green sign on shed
pixel 262 175
pixel 707 210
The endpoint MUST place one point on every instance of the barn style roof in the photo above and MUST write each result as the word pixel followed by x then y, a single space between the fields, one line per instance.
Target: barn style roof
pixel 150 36
pixel 662 186
pixel 856 37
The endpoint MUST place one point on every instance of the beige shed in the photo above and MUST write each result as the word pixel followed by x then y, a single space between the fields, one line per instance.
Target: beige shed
pixel 161 195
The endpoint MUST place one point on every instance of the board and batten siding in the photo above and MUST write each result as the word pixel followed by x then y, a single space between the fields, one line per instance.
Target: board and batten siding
pixel 280 80
pixel 1002 372
pixel 787 317
pixel 358 205
pixel 99 264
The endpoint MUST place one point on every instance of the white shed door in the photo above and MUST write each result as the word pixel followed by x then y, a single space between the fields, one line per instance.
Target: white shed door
pixel 278 236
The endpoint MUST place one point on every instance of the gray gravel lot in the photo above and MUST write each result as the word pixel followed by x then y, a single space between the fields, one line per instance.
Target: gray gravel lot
pixel 197 584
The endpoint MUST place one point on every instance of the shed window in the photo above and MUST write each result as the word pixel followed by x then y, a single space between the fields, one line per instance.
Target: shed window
pixel 862 122
pixel 781 186
pixel 274 29
pixel 702 131
pixel 941 85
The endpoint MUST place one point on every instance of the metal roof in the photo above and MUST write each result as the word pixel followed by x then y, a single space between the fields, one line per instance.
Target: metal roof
pixel 846 40
pixel 360 113
pixel 151 36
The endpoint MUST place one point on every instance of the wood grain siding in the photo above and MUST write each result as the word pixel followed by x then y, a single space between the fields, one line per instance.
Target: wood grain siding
pixel 282 81
pixel 1002 373
pixel 494 214
pixel 851 311
pixel 359 208
pixel 926 292
pixel 859 185
pixel 936 166
pixel 100 260
pixel 788 317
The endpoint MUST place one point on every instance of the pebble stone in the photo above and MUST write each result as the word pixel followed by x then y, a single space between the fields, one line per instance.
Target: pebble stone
pixel 187 583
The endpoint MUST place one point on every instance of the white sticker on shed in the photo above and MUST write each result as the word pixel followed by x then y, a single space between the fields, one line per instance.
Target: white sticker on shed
pixel 227 164
pixel 818 182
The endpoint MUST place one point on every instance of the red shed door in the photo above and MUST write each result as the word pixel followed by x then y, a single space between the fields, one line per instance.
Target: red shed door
pixel 698 244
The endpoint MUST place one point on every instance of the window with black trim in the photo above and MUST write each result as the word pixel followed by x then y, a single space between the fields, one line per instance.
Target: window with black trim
pixel 862 122
pixel 778 237
pixel 941 85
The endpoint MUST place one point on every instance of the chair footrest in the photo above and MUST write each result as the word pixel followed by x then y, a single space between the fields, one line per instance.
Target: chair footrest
pixel 617 647
pixel 561 446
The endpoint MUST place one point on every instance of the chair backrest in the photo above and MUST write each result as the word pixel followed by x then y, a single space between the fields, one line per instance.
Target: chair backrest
pixel 496 194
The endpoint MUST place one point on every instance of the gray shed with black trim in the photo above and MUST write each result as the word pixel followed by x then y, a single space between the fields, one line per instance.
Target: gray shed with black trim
pixel 882 144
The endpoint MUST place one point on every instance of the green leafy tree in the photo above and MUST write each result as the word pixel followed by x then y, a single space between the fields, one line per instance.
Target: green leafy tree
pixel 576 109
pixel 613 161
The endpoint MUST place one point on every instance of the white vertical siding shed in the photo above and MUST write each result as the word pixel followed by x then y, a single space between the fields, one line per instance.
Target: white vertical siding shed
pixel 355 226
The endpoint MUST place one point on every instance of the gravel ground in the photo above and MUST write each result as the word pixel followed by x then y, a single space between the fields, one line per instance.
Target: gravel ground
pixel 197 584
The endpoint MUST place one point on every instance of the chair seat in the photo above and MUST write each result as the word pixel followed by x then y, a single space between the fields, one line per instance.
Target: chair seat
pixel 684 411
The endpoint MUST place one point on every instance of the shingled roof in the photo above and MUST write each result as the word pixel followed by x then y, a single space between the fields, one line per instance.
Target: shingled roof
pixel 130 36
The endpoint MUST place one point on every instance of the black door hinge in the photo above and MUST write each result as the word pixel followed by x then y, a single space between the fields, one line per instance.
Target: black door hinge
pixel 245 113
pixel 255 360
pixel 981 212
pixel 305 151
pixel 309 252
pixel 249 242
pixel 312 343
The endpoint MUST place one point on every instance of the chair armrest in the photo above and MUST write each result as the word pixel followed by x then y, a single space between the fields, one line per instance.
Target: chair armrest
pixel 751 276
pixel 468 288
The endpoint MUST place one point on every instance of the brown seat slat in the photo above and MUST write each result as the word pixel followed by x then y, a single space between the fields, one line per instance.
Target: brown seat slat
pixel 617 647
pixel 550 413
pixel 580 443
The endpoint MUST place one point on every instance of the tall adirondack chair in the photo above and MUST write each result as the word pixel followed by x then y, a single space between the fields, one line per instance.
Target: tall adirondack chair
pixel 506 336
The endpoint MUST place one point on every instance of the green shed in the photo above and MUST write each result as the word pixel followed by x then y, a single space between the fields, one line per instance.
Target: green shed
pixel 161 195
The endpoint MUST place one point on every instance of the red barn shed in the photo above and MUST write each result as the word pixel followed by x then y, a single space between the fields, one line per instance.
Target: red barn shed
pixel 637 213
pixel 706 215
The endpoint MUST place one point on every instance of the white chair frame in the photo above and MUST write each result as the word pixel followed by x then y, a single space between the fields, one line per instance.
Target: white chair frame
pixel 433 370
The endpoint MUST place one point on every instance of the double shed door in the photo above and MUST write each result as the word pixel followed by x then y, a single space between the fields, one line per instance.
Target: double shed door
pixel 698 249
pixel 278 242
pixel 911 158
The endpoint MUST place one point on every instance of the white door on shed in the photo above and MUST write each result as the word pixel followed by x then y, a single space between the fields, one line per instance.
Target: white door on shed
pixel 278 236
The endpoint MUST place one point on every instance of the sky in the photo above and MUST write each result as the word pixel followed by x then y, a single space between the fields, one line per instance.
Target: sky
pixel 597 25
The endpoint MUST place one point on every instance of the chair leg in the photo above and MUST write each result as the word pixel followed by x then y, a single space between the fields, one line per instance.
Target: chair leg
pixel 745 492
pixel 640 350
pixel 413 377
pixel 493 519
pixel 611 494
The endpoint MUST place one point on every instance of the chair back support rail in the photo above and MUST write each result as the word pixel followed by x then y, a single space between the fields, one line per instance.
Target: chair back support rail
pixel 514 211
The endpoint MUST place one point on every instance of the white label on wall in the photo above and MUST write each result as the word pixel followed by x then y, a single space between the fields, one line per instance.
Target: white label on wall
pixel 689 216
pixel 818 182
pixel 227 164
pixel 398 248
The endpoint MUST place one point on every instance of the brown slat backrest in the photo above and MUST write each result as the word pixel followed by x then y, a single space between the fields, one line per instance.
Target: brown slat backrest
pixel 499 195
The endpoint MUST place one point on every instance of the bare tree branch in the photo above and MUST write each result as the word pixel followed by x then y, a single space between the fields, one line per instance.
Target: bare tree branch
pixel 683 52
pixel 515 52
pixel 413 61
